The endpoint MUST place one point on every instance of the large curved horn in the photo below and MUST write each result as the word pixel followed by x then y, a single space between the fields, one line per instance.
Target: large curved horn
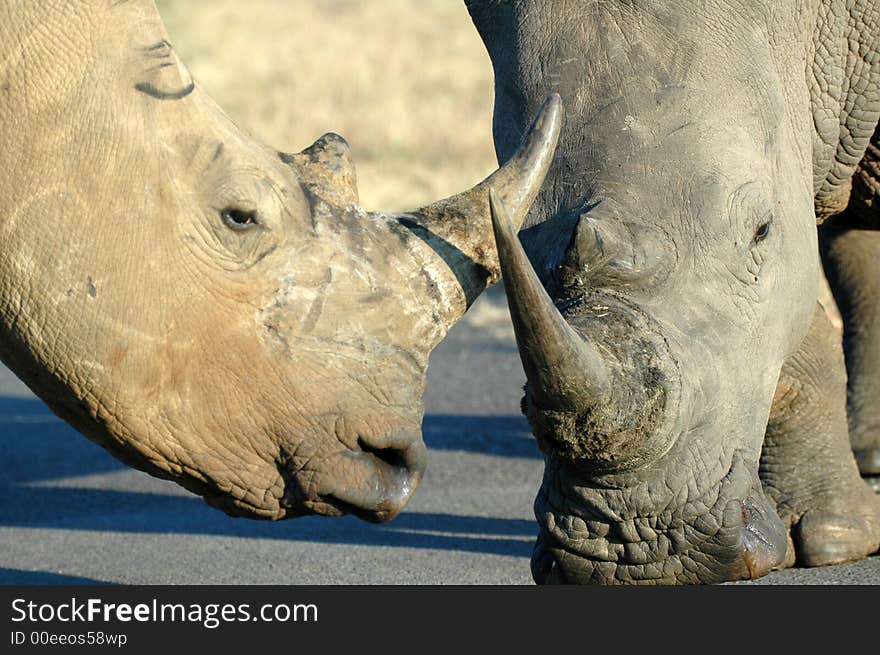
pixel 565 372
pixel 458 228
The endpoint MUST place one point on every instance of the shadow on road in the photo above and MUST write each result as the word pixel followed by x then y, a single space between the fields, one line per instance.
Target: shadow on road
pixel 507 436
pixel 15 576
pixel 43 461
pixel 36 445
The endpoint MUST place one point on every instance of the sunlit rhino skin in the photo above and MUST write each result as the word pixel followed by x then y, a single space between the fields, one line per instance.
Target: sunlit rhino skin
pixel 688 394
pixel 207 309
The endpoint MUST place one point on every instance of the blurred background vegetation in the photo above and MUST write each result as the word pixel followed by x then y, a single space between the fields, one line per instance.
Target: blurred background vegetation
pixel 406 82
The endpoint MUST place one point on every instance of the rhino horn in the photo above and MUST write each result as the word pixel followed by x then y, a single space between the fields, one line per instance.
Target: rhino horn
pixel 327 170
pixel 458 228
pixel 565 371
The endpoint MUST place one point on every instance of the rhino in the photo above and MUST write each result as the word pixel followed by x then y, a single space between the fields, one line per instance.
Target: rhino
pixel 208 309
pixel 689 395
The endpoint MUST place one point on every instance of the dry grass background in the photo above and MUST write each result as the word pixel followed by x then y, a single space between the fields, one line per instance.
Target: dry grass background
pixel 406 82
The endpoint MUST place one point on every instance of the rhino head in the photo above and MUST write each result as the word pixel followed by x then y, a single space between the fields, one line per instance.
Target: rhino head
pixel 666 272
pixel 206 308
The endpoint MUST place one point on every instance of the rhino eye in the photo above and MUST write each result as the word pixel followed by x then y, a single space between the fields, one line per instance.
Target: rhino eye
pixel 239 219
pixel 763 231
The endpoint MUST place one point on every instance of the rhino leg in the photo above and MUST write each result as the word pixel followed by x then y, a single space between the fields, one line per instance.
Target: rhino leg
pixel 852 263
pixel 850 247
pixel 807 466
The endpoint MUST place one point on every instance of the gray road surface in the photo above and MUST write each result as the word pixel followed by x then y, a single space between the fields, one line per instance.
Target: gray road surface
pixel 69 513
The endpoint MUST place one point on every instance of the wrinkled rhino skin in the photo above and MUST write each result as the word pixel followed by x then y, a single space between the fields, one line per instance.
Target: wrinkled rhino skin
pixel 207 309
pixel 688 394
pixel 850 248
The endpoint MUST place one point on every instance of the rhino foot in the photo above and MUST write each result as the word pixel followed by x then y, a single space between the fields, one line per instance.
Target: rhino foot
pixel 832 534
pixel 807 466
pixel 852 263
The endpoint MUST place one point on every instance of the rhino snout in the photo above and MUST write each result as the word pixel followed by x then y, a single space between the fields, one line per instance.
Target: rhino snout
pixel 395 472
pixel 372 478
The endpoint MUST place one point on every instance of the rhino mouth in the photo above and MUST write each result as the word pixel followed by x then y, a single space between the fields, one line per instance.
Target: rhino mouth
pixel 384 482
pixel 731 532
pixel 372 480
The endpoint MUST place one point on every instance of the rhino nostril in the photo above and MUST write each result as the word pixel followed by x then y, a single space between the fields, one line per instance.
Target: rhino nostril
pixel 395 457
pixel 400 452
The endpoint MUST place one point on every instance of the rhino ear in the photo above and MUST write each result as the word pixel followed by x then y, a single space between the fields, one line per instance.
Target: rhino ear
pixel 327 170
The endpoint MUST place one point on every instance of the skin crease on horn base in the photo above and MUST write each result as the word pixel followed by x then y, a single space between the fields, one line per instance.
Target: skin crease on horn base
pixel 675 236
pixel 207 309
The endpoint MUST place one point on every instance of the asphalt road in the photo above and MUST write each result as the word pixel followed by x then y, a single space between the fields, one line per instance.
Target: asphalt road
pixel 69 513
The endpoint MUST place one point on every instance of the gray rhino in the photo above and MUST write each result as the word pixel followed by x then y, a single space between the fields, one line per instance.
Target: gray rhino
pixel 209 310
pixel 689 395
